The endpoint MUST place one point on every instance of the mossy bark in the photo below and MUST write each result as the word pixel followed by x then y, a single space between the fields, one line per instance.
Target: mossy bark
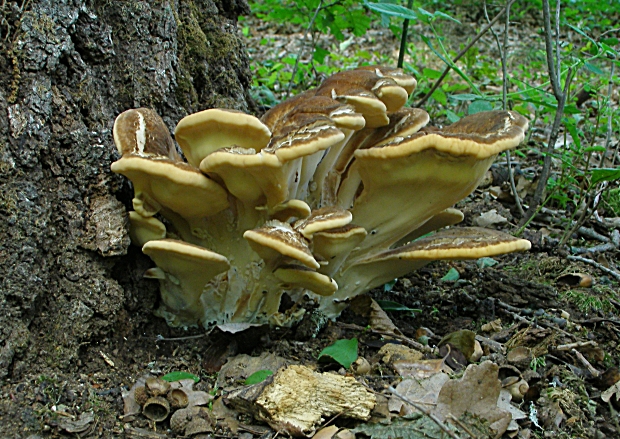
pixel 68 278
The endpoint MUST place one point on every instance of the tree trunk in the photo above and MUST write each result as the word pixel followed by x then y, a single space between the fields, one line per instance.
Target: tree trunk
pixel 68 278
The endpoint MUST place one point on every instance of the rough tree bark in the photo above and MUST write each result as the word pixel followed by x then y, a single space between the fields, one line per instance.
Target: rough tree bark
pixel 68 68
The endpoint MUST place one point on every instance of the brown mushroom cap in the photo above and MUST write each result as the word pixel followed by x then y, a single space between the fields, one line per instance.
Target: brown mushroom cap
pixel 177 186
pixel 304 277
pixel 440 169
pixel 142 132
pixel 447 244
pixel 454 243
pixel 202 133
pixel 183 270
pixel 277 239
pixel 325 218
pixel 144 229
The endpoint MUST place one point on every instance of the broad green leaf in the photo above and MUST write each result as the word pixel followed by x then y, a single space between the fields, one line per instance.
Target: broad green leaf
pixel 451 276
pixel 440 96
pixel 343 352
pixel 478 106
pixel 177 376
pixel 452 116
pixel 392 10
pixel 258 377
pixel 593 68
pixel 430 73
pixel 319 54
pixel 605 174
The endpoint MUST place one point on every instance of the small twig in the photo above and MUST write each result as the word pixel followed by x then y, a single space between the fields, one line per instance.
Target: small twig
pixel 596 249
pixel 426 412
pixel 595 373
pixel 492 344
pixel 579 344
pixel 410 342
pixel 188 337
pixel 595 264
pixel 461 53
pixel 460 424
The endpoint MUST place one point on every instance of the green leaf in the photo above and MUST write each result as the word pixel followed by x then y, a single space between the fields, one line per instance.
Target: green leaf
pixel 572 129
pixel 388 305
pixel 177 376
pixel 343 352
pixel 478 106
pixel 594 69
pixel 486 262
pixel 389 285
pixel 464 97
pixel 605 174
pixel 452 116
pixel 439 14
pixel 451 276
pixel 257 377
pixel 392 10
pixel 595 149
pixel 430 73
pixel 440 96
pixel 319 54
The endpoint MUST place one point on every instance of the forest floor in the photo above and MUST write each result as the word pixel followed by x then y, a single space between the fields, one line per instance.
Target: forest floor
pixel 549 317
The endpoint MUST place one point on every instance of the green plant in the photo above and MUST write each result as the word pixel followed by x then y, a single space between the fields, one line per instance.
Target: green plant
pixel 537 362
pixel 587 302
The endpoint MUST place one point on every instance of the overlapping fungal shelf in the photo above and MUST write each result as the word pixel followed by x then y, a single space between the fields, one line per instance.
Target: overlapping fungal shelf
pixel 327 195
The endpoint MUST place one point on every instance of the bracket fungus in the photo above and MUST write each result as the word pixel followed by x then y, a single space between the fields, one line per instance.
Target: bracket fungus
pixel 328 195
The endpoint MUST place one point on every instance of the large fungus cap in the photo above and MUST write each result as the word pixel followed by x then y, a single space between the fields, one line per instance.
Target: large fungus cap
pixel 201 133
pixel 350 82
pixel 406 81
pixel 144 229
pixel 277 239
pixel 184 270
pixel 304 135
pixel 439 167
pixel 454 243
pixel 181 188
pixel 142 132
pixel 303 277
pixel 325 218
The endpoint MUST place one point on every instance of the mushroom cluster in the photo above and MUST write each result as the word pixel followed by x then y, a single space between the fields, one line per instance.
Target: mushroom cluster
pixel 329 194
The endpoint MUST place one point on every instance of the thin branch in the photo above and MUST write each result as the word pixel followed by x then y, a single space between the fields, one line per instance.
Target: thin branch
pixel 553 77
pixel 502 53
pixel 426 412
pixel 301 49
pixel 595 264
pixel 546 170
pixel 403 39
pixel 462 53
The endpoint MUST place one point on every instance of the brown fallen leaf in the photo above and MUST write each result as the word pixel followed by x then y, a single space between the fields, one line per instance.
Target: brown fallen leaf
pixel 424 392
pixel 476 393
